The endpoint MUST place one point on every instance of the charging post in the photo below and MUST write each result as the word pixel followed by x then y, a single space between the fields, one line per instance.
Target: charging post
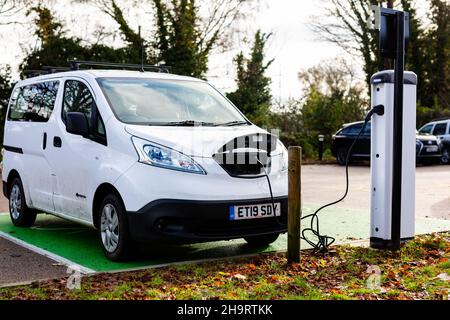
pixel 393 137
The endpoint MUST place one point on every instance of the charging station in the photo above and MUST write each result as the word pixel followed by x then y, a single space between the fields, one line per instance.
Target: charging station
pixel 383 201
pixel 393 141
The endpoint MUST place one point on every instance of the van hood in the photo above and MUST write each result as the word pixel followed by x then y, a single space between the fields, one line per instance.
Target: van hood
pixel 193 141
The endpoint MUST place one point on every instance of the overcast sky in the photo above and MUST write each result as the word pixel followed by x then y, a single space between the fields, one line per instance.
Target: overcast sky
pixel 293 45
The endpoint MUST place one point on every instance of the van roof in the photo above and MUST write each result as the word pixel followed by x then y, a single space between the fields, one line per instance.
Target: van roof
pixel 99 73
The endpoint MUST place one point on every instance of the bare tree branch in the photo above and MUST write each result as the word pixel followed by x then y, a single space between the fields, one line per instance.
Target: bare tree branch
pixel 344 23
pixel 9 10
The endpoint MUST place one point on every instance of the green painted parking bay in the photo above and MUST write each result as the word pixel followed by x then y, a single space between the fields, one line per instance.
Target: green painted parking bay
pixel 79 244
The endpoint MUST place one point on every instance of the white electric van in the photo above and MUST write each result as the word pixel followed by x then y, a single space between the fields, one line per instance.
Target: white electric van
pixel 141 156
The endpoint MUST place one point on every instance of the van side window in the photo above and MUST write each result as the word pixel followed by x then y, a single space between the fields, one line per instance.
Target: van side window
pixel 78 98
pixel 34 103
pixel 100 127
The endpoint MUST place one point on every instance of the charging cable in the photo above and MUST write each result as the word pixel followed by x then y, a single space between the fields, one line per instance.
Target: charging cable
pixel 266 174
pixel 324 241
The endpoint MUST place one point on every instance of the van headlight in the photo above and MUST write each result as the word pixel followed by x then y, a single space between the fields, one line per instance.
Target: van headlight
pixel 164 157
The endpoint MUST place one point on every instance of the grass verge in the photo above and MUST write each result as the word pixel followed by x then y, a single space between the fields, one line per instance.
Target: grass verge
pixel 419 271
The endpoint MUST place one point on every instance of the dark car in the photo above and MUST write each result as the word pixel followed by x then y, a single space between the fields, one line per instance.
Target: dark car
pixel 428 147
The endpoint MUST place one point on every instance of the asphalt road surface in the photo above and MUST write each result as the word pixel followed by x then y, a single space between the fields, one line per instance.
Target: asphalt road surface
pixel 18 265
pixel 321 184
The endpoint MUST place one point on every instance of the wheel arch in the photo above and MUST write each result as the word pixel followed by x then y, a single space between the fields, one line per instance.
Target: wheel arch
pixel 11 176
pixel 100 193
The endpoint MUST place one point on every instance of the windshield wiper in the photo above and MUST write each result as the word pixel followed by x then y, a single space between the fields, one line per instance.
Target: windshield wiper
pixel 232 124
pixel 188 123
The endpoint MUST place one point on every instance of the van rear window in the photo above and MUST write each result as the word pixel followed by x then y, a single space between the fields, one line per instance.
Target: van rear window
pixel 33 103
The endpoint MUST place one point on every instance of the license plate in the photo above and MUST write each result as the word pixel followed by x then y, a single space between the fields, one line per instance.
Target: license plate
pixel 432 149
pixel 257 211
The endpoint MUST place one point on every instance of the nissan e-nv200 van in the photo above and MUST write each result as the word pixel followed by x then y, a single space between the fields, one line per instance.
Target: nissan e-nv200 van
pixel 141 157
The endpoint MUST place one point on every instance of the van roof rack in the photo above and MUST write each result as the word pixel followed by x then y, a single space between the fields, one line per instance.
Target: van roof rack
pixel 34 73
pixel 51 69
pixel 75 65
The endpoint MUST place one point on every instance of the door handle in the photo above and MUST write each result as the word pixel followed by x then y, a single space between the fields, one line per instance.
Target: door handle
pixel 44 141
pixel 57 142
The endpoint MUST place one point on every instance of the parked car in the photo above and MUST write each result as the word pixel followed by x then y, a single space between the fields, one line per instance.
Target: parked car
pixel 139 156
pixel 428 147
pixel 440 129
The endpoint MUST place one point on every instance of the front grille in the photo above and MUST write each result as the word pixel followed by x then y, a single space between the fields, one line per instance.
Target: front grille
pixel 236 228
pixel 220 227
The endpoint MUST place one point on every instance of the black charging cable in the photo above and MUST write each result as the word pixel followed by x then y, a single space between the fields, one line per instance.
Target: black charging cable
pixel 324 241
pixel 266 174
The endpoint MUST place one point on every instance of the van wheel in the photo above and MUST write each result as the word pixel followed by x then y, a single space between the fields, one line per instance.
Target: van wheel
pixel 263 240
pixel 21 215
pixel 341 156
pixel 113 231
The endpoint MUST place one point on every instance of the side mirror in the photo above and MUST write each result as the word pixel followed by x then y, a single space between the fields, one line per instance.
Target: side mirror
pixel 77 123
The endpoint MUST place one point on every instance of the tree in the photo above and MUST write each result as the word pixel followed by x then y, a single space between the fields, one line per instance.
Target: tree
pixel 334 97
pixel 5 92
pixel 178 38
pixel 9 8
pixel 439 55
pixel 345 24
pixel 185 39
pixel 137 49
pixel 427 53
pixel 185 35
pixel 288 120
pixel 253 96
pixel 55 48
pixel 416 50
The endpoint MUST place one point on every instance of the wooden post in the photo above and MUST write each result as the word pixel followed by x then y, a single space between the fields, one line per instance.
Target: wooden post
pixel 294 204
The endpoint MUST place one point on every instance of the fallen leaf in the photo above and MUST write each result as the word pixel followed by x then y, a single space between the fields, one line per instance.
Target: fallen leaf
pixel 444 276
pixel 239 276
pixel 251 266
pixel 322 263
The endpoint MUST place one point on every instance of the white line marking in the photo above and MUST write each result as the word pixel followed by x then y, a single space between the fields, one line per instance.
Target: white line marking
pixel 47 254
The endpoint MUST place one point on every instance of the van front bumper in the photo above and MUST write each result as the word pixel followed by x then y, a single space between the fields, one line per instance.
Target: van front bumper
pixel 187 221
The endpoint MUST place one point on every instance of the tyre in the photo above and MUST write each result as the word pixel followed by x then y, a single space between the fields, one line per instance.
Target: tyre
pixel 445 159
pixel 113 228
pixel 341 156
pixel 263 240
pixel 21 215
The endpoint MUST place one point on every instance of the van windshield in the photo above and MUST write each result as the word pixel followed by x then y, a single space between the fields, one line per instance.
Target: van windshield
pixel 169 103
